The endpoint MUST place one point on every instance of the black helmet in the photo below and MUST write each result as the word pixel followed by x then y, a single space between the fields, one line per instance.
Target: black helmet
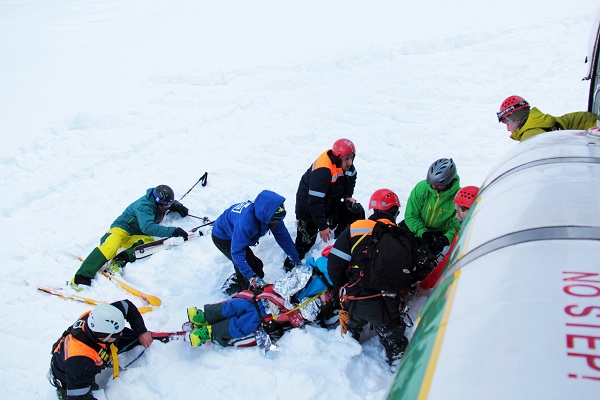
pixel 164 195
pixel 442 172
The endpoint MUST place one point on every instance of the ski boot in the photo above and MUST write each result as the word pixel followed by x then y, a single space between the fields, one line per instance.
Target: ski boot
pixel 200 336
pixel 232 285
pixel 116 266
pixel 196 317
pixel 75 286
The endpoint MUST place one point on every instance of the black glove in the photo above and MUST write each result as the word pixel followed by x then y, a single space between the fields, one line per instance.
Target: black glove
pixel 178 232
pixel 435 243
pixel 444 241
pixel 440 243
pixel 428 238
pixel 259 272
pixel 179 208
pixel 288 264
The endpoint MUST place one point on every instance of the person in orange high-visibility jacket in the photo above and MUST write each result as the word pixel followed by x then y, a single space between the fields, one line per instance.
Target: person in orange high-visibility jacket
pixel 94 339
pixel 365 304
pixel 324 202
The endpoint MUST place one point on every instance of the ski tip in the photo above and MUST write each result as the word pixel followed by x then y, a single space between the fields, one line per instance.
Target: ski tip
pixel 153 300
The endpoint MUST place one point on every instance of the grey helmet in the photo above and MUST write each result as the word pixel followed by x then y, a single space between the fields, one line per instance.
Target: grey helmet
pixel 442 172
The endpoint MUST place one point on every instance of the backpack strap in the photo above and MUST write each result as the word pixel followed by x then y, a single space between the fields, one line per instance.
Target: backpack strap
pixel 358 241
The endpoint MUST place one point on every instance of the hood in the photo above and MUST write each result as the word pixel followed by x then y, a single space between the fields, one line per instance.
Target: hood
pixel 266 204
pixel 149 194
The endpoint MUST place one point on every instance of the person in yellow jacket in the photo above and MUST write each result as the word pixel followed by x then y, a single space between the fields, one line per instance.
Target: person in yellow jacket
pixel 523 122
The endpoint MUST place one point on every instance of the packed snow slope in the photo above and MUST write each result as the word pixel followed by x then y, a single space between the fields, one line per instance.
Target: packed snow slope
pixel 102 100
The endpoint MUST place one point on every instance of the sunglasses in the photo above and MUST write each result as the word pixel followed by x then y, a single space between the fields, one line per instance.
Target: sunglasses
pixel 462 208
pixel 106 337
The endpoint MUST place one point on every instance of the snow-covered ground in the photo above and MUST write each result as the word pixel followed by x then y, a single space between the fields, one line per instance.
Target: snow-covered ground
pixel 104 99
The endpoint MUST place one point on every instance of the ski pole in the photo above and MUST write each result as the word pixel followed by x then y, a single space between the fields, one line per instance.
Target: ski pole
pixel 204 219
pixel 201 226
pixel 203 179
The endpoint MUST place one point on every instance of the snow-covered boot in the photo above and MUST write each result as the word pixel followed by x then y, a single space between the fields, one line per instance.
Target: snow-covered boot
pixel 116 264
pixel 232 285
pixel 75 286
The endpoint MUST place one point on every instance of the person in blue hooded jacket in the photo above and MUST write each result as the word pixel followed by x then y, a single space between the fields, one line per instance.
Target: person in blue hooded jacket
pixel 241 226
pixel 138 224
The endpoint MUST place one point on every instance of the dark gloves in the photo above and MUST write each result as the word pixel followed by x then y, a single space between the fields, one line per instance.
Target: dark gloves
pixel 355 208
pixel 180 233
pixel 259 272
pixel 443 240
pixel 289 265
pixel 179 208
pixel 435 243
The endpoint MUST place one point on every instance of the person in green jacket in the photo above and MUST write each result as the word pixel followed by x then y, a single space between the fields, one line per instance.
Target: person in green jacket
pixel 429 212
pixel 138 224
pixel 523 122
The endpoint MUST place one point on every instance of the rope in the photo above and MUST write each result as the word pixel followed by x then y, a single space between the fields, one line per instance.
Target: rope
pixel 344 316
pixel 300 305
pixel 352 298
pixel 344 319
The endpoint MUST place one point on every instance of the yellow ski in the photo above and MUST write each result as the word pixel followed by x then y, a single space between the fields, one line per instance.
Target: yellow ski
pixel 153 300
pixel 82 299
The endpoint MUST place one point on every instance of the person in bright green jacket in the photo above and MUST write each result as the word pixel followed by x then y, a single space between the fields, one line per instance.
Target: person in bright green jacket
pixel 523 122
pixel 138 224
pixel 429 212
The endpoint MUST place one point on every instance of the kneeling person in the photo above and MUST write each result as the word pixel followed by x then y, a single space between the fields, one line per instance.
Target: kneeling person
pixel 94 339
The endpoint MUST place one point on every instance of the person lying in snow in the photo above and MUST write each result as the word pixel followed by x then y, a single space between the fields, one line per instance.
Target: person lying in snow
pixel 303 294
pixel 138 224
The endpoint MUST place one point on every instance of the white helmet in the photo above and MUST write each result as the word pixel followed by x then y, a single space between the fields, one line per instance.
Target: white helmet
pixel 106 319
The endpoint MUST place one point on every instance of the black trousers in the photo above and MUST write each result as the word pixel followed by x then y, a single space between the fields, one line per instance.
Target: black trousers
pixel 338 219
pixel 384 314
pixel 255 263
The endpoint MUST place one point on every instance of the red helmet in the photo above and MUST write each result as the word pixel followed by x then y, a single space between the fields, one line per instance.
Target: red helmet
pixel 466 196
pixel 510 105
pixel 383 199
pixel 343 147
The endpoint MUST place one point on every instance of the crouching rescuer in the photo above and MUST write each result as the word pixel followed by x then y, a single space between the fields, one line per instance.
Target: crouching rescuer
pixel 371 264
pixel 91 344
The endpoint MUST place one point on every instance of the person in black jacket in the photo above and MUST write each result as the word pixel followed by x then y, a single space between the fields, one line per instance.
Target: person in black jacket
pixel 324 202
pixel 94 339
pixel 365 304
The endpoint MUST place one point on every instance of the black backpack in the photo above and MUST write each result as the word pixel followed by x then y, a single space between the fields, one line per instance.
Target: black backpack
pixel 390 259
